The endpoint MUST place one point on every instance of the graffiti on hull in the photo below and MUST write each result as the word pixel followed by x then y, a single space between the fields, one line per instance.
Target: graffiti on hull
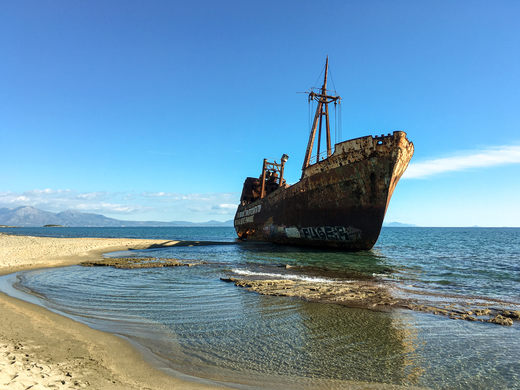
pixel 247 216
pixel 327 233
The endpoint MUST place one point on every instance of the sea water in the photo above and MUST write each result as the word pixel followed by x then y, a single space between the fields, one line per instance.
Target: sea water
pixel 190 323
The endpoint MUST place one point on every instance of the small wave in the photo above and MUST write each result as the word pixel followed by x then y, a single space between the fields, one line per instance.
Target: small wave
pixel 282 276
pixel 376 275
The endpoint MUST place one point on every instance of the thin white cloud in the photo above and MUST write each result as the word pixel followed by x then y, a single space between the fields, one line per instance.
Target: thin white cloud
pixel 499 155
pixel 225 206
pixel 156 194
pixel 91 195
pixel 44 191
pixel 173 196
pixel 60 200
pixel 105 207
pixel 161 206
pixel 17 199
pixel 169 196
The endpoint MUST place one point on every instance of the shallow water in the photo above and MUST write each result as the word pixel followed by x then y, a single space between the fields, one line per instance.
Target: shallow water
pixel 166 233
pixel 193 323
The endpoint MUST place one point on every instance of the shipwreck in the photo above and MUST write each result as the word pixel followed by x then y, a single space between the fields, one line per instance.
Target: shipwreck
pixel 342 196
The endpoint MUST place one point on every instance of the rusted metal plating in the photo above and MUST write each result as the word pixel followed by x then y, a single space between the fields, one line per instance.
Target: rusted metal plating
pixel 271 178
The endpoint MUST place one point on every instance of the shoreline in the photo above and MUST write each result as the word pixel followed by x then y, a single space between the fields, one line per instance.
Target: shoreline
pixel 43 349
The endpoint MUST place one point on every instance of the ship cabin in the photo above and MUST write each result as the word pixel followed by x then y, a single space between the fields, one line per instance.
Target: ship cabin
pixel 269 181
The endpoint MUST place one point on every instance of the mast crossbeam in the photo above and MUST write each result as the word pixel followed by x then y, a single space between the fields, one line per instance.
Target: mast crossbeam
pixel 322 110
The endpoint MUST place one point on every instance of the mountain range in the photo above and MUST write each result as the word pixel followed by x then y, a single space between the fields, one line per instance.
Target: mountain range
pixel 26 216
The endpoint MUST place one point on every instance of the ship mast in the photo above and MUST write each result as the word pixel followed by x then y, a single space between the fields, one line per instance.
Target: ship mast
pixel 322 110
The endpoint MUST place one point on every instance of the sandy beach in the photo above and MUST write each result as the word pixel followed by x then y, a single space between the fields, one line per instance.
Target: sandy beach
pixel 41 350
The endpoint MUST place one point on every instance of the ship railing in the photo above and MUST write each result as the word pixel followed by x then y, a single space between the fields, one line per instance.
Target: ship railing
pixel 319 157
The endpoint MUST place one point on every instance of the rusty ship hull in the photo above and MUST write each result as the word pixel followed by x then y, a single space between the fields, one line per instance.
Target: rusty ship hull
pixel 340 202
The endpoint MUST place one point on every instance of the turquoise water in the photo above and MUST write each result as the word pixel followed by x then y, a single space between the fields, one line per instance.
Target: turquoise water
pixel 188 321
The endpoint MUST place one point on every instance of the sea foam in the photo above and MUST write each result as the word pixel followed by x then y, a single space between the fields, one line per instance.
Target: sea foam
pixel 246 272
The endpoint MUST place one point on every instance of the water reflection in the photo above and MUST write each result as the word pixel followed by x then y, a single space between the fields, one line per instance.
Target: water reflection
pixel 334 342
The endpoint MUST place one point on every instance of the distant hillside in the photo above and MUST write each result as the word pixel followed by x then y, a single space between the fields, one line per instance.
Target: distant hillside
pixel 30 216
pixel 398 224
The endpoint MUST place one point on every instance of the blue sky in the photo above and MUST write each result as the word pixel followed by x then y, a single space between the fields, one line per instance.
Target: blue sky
pixel 159 110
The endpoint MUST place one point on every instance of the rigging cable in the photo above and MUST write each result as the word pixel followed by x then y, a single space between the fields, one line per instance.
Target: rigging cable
pixel 335 124
pixel 317 82
pixel 340 121
pixel 309 114
pixel 332 81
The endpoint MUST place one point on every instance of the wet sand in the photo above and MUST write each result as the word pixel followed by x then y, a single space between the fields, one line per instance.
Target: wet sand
pixel 41 350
